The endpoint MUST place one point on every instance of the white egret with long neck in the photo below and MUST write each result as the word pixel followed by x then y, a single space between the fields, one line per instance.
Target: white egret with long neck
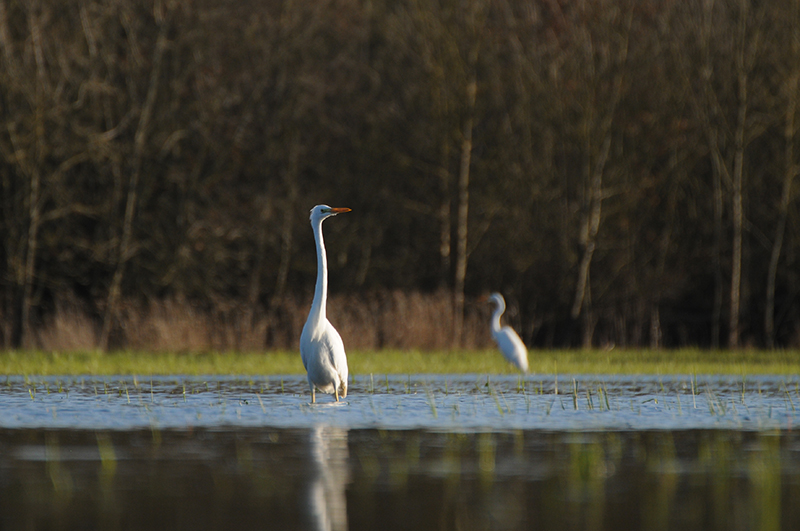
pixel 321 346
pixel 507 339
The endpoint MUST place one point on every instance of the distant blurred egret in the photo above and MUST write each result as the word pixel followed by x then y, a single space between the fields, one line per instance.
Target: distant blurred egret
pixel 321 346
pixel 507 339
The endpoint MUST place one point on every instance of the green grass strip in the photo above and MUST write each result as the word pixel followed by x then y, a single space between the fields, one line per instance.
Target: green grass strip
pixel 618 361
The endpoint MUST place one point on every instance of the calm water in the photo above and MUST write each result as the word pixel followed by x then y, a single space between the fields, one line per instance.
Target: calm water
pixel 427 452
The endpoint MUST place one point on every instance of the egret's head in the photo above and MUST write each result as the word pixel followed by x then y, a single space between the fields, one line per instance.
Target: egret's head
pixel 497 299
pixel 320 212
pixel 494 297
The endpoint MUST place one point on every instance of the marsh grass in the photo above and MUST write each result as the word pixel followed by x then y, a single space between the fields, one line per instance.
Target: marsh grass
pixel 156 363
pixel 688 361
pixel 373 321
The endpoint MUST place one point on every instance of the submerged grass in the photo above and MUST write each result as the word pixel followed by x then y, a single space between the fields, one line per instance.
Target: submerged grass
pixel 684 361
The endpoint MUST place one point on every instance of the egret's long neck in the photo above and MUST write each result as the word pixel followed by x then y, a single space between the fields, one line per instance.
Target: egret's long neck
pixel 321 291
pixel 501 307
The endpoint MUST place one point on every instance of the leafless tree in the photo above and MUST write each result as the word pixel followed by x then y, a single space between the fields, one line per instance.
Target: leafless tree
pixel 789 97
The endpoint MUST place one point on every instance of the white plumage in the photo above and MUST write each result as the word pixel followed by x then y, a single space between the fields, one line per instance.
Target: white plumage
pixel 321 346
pixel 507 339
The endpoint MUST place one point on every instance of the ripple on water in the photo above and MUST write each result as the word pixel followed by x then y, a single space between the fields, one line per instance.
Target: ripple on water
pixel 429 402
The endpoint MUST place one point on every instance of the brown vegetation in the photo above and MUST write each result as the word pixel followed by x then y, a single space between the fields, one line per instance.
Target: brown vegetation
pixel 623 170
pixel 394 320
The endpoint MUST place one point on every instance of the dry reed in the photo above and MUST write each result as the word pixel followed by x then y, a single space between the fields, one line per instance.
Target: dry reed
pixel 390 319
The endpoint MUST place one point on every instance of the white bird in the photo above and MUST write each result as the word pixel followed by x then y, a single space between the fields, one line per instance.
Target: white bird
pixel 507 340
pixel 321 346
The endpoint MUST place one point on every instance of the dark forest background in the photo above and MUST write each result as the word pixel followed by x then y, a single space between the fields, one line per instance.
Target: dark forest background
pixel 622 170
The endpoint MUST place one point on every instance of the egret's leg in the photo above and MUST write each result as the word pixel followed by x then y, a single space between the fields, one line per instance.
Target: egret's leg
pixel 311 388
pixel 344 389
pixel 336 393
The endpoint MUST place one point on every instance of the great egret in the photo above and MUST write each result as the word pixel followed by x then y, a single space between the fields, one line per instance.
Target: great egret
pixel 321 346
pixel 507 340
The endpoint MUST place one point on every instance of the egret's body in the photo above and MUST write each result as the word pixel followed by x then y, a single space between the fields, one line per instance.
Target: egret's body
pixel 321 346
pixel 507 339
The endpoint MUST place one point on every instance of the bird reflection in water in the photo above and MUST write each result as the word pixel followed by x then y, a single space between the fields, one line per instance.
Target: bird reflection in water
pixel 330 474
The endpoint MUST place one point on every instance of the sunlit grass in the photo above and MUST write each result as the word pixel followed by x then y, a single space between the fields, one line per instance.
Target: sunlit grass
pixel 684 361
pixel 129 362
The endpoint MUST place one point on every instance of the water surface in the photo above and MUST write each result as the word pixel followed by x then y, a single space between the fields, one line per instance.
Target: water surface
pixel 400 452
pixel 444 402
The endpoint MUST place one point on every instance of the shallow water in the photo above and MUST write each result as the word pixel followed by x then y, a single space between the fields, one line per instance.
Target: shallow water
pixel 410 452
pixel 431 402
